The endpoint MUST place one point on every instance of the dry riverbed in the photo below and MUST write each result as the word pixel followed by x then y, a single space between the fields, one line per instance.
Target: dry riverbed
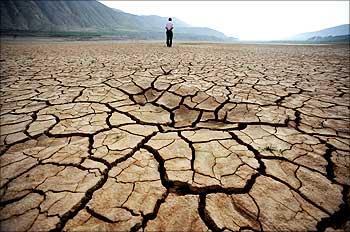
pixel 103 136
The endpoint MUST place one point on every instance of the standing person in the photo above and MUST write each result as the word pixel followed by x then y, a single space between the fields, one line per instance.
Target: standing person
pixel 169 32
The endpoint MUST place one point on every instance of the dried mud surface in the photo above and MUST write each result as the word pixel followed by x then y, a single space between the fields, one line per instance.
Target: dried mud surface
pixel 199 137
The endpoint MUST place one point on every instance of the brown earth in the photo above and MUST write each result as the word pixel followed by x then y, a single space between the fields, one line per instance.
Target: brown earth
pixel 133 137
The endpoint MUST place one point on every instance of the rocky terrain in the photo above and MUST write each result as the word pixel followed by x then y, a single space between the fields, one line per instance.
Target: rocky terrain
pixel 198 137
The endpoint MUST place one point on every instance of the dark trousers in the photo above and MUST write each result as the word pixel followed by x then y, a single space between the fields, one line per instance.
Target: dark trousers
pixel 169 38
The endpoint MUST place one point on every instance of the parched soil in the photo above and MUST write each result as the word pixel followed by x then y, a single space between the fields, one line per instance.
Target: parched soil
pixel 103 136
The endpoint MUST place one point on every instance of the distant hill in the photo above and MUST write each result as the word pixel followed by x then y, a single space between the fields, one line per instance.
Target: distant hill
pixel 90 17
pixel 200 31
pixel 154 22
pixel 340 30
pixel 339 38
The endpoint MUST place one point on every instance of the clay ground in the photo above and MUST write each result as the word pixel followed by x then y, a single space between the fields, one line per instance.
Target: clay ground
pixel 101 136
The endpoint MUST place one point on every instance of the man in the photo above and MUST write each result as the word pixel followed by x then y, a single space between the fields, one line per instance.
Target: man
pixel 169 32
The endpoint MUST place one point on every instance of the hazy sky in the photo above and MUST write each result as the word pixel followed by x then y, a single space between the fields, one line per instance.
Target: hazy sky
pixel 248 20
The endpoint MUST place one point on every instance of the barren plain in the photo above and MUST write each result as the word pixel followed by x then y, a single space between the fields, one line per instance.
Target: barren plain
pixel 103 136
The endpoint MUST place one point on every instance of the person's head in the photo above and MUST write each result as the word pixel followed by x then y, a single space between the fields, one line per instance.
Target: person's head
pixel 170 19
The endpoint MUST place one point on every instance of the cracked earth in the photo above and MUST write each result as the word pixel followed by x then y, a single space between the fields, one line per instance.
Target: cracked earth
pixel 139 137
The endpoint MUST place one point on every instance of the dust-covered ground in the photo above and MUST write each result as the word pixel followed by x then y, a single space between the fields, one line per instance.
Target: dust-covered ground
pixel 129 137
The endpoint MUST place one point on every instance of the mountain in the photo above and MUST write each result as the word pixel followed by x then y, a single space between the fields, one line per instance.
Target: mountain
pixel 335 39
pixel 90 17
pixel 154 20
pixel 340 30
pixel 61 16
